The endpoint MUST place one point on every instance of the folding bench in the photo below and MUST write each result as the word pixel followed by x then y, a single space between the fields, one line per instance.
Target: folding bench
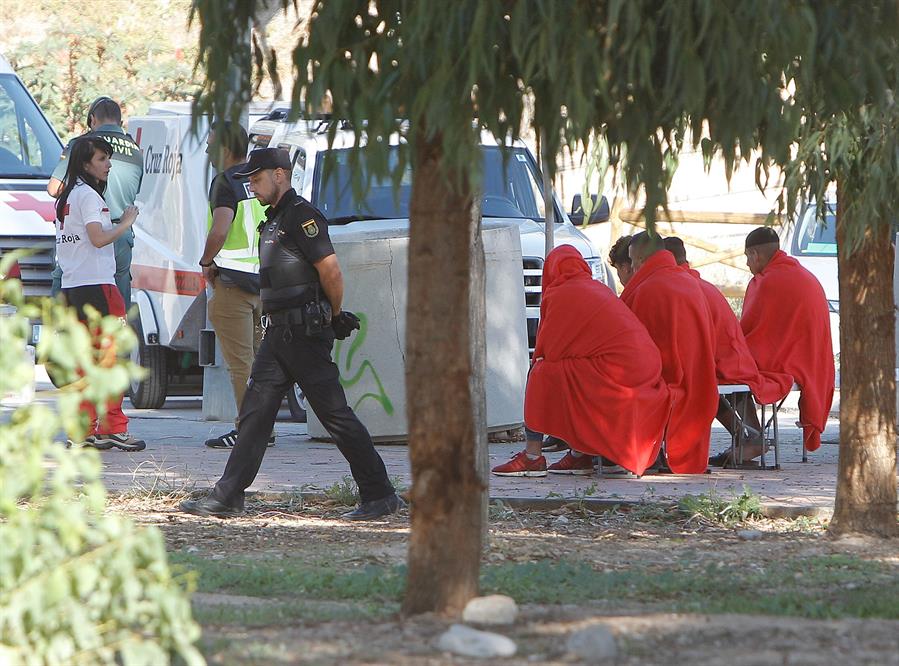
pixel 770 433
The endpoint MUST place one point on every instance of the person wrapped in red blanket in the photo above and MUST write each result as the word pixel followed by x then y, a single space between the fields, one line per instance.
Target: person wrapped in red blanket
pixel 734 364
pixel 596 378
pixel 787 327
pixel 670 304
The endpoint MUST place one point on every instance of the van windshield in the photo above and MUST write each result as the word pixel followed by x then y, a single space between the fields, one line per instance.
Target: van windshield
pixel 816 238
pixel 28 146
pixel 514 192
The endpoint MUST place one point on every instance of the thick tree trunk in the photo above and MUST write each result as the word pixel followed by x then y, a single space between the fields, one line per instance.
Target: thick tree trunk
pixel 445 389
pixel 866 483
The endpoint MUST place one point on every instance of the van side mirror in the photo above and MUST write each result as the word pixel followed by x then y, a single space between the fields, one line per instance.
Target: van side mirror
pixel 600 212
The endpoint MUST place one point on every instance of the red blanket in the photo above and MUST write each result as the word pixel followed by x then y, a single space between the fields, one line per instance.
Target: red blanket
pixel 596 380
pixel 734 363
pixel 670 304
pixel 787 326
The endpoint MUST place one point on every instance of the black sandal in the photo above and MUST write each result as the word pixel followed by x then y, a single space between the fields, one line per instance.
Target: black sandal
pixel 719 459
pixel 730 463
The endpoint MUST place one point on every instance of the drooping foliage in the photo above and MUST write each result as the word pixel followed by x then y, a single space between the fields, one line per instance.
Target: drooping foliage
pixel 648 76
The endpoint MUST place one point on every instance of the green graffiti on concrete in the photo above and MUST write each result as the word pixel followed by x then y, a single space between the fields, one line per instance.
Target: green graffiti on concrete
pixel 356 343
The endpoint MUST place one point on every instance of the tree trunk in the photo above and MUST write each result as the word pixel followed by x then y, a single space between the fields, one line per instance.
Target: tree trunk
pixel 445 388
pixel 866 482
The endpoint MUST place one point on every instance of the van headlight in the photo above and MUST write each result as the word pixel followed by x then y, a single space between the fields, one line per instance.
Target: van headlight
pixel 596 268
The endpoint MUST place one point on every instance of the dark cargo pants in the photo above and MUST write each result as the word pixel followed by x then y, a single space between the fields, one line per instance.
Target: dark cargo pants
pixel 282 360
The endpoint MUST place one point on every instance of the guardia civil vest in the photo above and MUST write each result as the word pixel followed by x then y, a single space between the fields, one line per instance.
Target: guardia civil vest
pixel 241 249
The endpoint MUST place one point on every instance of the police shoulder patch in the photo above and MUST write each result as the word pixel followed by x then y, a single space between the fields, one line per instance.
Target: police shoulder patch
pixel 310 228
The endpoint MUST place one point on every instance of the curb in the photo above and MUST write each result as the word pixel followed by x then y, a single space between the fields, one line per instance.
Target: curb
pixel 597 505
pixel 592 504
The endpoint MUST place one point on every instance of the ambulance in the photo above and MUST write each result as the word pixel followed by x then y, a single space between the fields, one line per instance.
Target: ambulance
pixel 29 151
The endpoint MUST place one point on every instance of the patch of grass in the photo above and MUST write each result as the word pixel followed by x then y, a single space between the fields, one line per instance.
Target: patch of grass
pixel 283 613
pixel 715 508
pixel 832 586
pixel 343 492
pixel 499 510
pixel 294 577
pixel 399 485
pixel 150 480
pixel 652 512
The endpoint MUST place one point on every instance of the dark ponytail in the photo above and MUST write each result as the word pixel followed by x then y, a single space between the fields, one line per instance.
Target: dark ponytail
pixel 81 151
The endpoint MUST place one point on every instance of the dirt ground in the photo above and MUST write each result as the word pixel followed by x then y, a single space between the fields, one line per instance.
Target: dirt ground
pixel 655 538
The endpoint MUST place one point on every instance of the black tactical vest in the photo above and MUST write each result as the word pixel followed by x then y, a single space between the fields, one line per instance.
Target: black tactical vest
pixel 287 278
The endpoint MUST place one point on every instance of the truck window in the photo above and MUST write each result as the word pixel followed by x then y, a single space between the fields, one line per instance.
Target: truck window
pixel 814 237
pixel 28 146
pixel 510 190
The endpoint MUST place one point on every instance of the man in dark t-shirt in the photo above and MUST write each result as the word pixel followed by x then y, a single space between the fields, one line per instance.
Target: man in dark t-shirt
pixel 230 261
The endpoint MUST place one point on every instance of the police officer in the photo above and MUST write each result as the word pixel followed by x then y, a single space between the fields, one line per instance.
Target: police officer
pixel 301 291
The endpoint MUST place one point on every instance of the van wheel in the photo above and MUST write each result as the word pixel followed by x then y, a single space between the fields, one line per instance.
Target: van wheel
pixel 151 392
pixel 297 403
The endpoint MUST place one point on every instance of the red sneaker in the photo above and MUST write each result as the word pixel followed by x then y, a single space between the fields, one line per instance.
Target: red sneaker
pixel 580 465
pixel 521 465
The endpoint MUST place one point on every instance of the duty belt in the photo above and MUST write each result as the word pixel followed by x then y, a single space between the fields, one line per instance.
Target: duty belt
pixel 289 317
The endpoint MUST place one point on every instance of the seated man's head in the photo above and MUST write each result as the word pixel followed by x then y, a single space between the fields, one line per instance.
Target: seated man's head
pixel 643 246
pixel 620 260
pixel 676 247
pixel 761 244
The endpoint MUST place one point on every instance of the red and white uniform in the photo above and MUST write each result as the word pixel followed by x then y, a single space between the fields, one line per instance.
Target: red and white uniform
pixel 81 263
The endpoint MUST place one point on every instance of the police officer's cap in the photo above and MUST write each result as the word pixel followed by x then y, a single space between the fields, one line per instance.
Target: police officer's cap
pixel 761 236
pixel 265 158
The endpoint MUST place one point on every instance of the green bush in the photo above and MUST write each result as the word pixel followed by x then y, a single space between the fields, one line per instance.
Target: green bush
pixel 76 586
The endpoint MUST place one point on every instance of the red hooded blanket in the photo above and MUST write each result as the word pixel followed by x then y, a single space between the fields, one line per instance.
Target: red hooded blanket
pixel 787 326
pixel 596 380
pixel 670 304
pixel 734 363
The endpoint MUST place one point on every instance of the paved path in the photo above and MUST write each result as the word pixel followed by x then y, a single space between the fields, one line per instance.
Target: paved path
pixel 176 458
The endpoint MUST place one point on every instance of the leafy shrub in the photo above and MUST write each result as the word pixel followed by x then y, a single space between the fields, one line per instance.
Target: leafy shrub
pixel 714 508
pixel 76 586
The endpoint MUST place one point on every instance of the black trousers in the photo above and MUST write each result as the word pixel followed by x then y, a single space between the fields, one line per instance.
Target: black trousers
pixel 287 356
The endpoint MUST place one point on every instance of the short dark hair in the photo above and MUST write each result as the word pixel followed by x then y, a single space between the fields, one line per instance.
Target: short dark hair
pixel 105 108
pixel 232 136
pixel 762 236
pixel 676 247
pixel 618 255
pixel 647 244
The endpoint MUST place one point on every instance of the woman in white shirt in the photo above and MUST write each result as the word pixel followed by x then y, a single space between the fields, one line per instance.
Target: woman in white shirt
pixel 84 251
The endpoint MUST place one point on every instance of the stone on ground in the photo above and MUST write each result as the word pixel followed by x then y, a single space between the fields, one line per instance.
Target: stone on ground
pixel 750 535
pixel 495 609
pixel 468 642
pixel 593 643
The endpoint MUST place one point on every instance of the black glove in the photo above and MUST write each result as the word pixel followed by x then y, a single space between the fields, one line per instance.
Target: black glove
pixel 344 324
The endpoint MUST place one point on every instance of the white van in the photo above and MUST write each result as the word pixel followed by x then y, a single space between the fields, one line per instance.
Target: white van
pixel 813 243
pixel 29 151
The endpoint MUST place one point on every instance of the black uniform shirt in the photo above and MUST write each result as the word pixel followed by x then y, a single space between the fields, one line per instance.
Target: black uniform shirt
pixel 303 224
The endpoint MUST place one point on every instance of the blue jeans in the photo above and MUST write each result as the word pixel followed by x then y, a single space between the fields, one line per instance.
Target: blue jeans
pixel 123 248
